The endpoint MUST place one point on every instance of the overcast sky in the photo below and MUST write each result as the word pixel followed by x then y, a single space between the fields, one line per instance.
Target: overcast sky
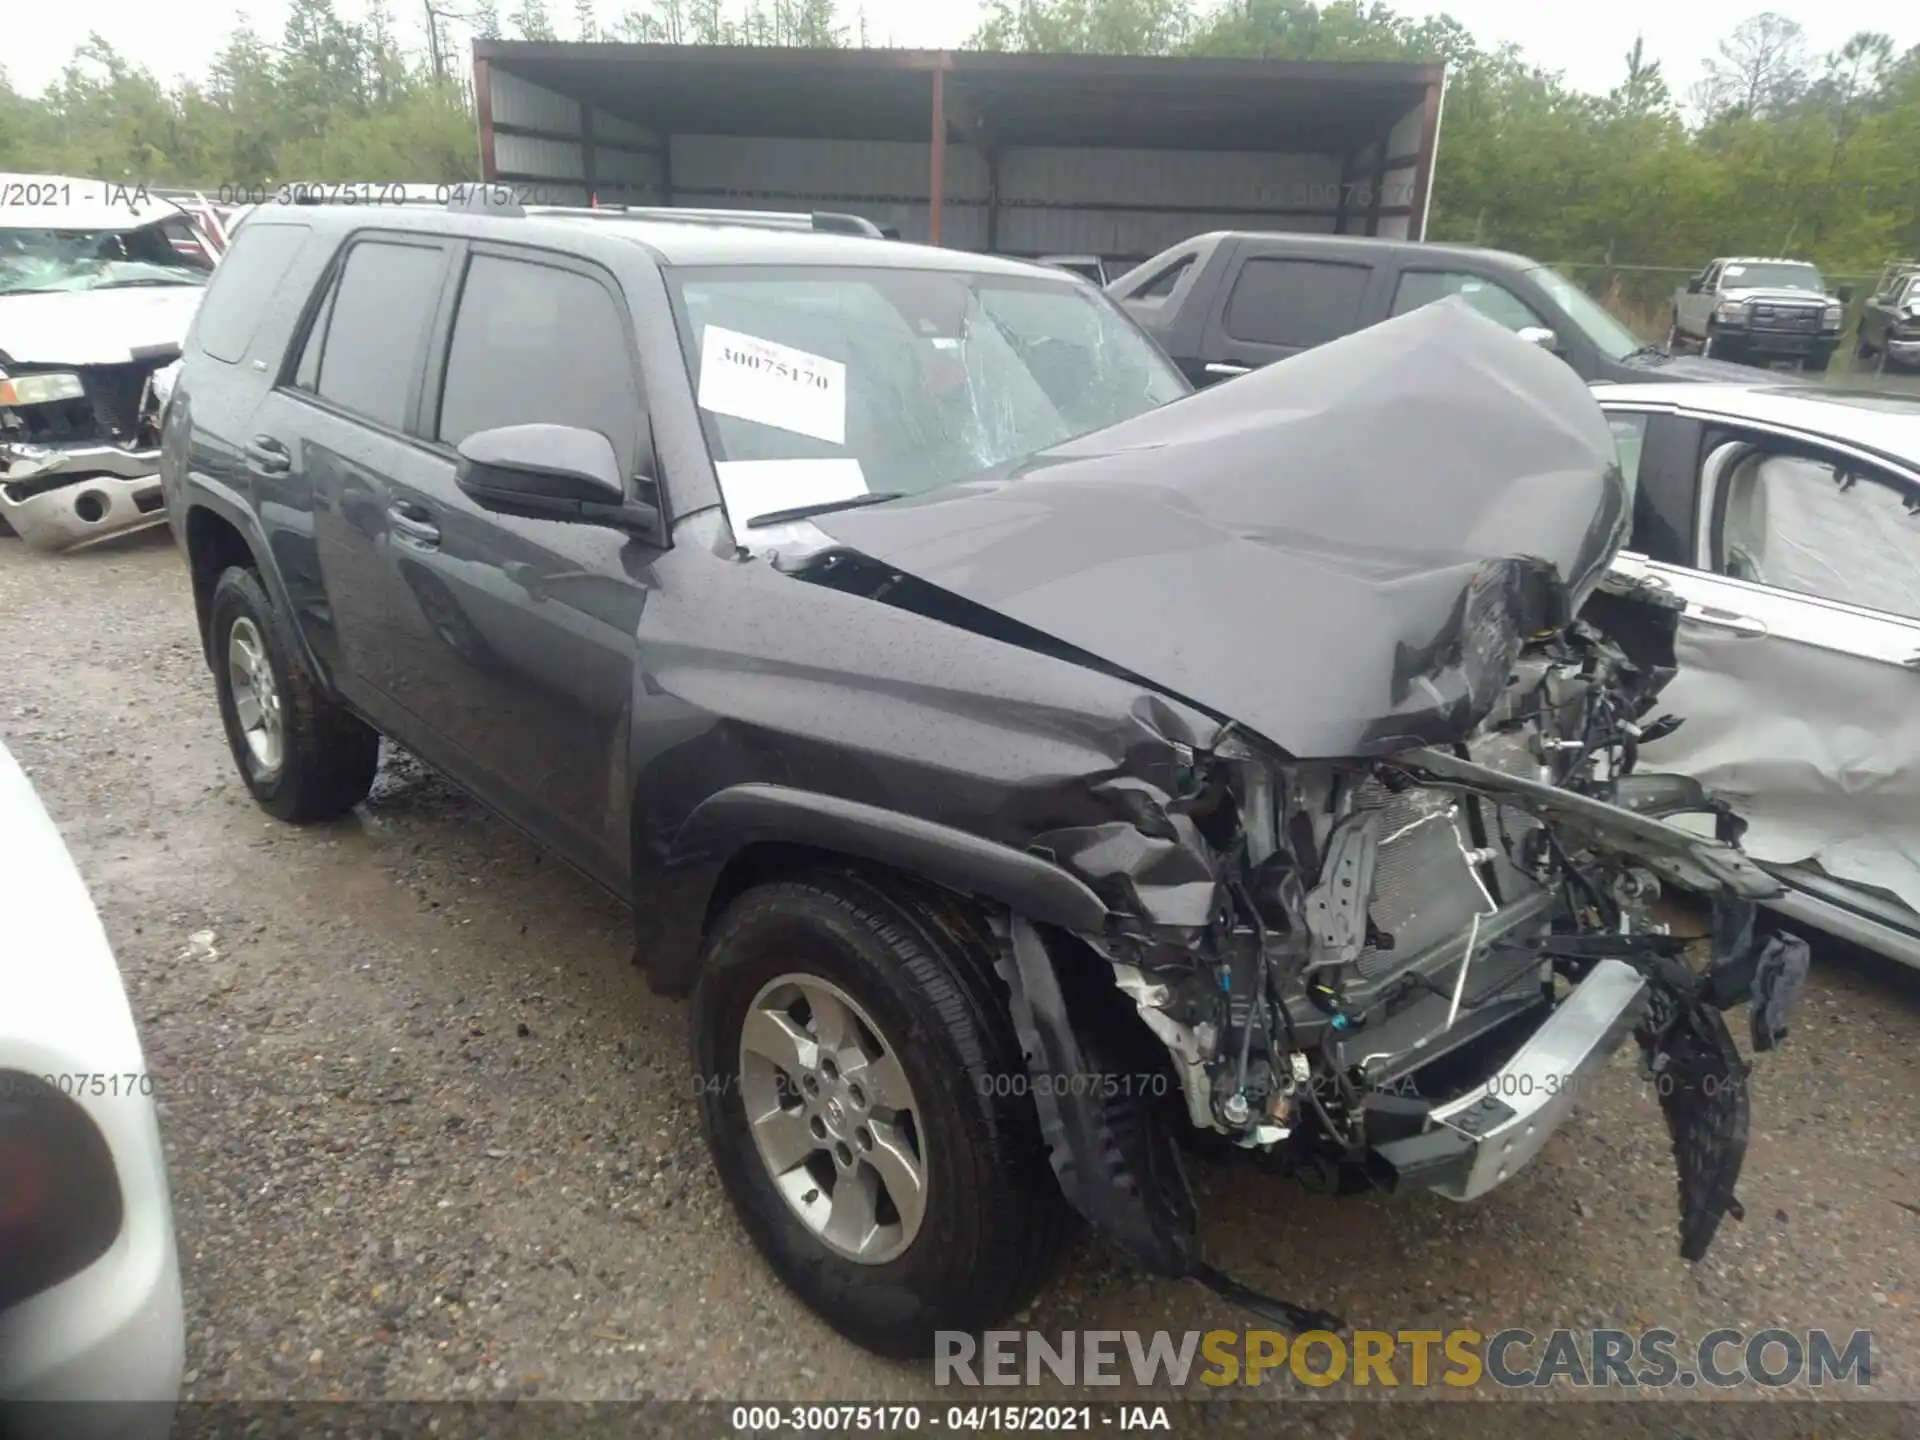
pixel 1585 43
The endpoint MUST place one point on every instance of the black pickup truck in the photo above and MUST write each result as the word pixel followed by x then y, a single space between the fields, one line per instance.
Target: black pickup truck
pixel 1227 302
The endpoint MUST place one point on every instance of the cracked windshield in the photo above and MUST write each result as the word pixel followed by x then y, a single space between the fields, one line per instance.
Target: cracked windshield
pixel 53 261
pixel 830 387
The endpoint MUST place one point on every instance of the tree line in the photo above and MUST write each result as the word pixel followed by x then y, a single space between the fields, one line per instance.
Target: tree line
pixel 1776 149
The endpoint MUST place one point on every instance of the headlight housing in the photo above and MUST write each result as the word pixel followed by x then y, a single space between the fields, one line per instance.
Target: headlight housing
pixel 43 389
pixel 1735 310
pixel 1831 317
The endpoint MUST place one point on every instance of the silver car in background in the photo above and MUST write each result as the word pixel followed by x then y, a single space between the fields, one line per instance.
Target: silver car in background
pixel 1788 519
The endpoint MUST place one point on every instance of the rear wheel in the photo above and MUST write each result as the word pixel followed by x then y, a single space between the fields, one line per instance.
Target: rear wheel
pixel 302 755
pixel 854 1067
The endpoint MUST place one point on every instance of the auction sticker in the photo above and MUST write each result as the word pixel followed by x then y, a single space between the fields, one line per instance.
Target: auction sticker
pixel 770 384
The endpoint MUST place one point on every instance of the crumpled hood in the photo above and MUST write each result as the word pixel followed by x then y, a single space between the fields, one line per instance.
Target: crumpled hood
pixel 96 327
pixel 1343 551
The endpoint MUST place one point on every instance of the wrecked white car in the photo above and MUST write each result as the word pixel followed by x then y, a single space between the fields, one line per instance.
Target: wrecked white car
pixel 1787 518
pixel 98 285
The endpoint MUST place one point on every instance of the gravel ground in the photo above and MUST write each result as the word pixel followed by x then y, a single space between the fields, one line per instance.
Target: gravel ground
pixel 431 1137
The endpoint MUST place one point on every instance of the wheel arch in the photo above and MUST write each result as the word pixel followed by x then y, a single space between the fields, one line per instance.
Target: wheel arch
pixel 218 532
pixel 746 834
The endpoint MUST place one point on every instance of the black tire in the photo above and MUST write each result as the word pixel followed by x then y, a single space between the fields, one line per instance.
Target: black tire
pixel 327 754
pixel 1817 364
pixel 995 1221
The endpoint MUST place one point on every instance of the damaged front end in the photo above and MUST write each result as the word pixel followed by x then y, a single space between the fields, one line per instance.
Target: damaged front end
pixel 80 449
pixel 1416 965
pixel 1386 924
pixel 98 288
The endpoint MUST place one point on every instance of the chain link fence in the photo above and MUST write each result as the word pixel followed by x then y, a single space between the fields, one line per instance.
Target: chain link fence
pixel 1641 296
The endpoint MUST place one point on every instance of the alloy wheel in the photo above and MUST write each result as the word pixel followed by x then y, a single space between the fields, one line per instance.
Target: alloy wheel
pixel 833 1118
pixel 256 696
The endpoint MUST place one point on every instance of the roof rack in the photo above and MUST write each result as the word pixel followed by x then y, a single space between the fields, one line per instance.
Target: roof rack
pixel 821 222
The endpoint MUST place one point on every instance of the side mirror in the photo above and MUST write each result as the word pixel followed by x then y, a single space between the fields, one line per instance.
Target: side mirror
pixel 1540 335
pixel 1693 286
pixel 550 472
pixel 1844 294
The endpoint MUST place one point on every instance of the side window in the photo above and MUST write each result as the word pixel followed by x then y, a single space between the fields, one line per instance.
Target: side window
pixel 1495 301
pixel 1711 281
pixel 1296 302
pixel 1818 526
pixel 241 288
pixel 1165 283
pixel 536 344
pixel 306 375
pixel 1630 439
pixel 375 328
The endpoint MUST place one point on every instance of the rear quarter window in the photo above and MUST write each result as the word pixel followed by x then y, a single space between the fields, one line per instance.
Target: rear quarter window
pixel 243 285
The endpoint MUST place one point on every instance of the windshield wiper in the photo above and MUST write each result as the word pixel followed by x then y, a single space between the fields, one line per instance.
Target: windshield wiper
pixel 143 280
pixel 1647 352
pixel 823 507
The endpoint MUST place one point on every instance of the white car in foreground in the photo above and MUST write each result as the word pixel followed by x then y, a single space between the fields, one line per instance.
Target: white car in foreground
pixel 90 1306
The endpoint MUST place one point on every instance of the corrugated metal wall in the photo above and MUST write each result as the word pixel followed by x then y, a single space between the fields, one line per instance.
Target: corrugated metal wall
pixel 1135 203
pixel 1124 205
pixel 883 180
pixel 1398 184
pixel 560 165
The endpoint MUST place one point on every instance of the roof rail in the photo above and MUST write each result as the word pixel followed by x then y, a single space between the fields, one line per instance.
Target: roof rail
pixel 824 222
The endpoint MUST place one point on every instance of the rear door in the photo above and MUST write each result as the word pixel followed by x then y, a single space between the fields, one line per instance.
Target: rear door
pixel 335 434
pixel 514 640
pixel 1799 652
pixel 1281 300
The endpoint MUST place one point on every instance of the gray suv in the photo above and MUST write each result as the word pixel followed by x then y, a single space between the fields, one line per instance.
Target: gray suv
pixel 1024 763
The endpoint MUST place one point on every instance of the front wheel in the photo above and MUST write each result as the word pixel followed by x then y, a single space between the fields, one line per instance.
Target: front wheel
pixel 302 756
pixel 1816 364
pixel 859 1083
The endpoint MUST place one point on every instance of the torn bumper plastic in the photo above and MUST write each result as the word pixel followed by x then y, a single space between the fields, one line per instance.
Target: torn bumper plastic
pixel 1486 1136
pixel 61 497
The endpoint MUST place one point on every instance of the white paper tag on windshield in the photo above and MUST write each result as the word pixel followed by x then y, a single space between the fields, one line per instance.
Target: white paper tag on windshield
pixel 753 488
pixel 753 379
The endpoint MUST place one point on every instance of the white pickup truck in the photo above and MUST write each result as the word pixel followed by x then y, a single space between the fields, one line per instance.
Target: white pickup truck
pixel 1758 311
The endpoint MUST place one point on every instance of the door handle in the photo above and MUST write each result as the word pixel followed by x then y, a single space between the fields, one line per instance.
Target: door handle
pixel 1727 620
pixel 1223 369
pixel 268 456
pixel 413 526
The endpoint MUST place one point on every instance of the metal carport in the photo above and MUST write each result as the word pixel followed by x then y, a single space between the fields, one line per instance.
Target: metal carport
pixel 1019 154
